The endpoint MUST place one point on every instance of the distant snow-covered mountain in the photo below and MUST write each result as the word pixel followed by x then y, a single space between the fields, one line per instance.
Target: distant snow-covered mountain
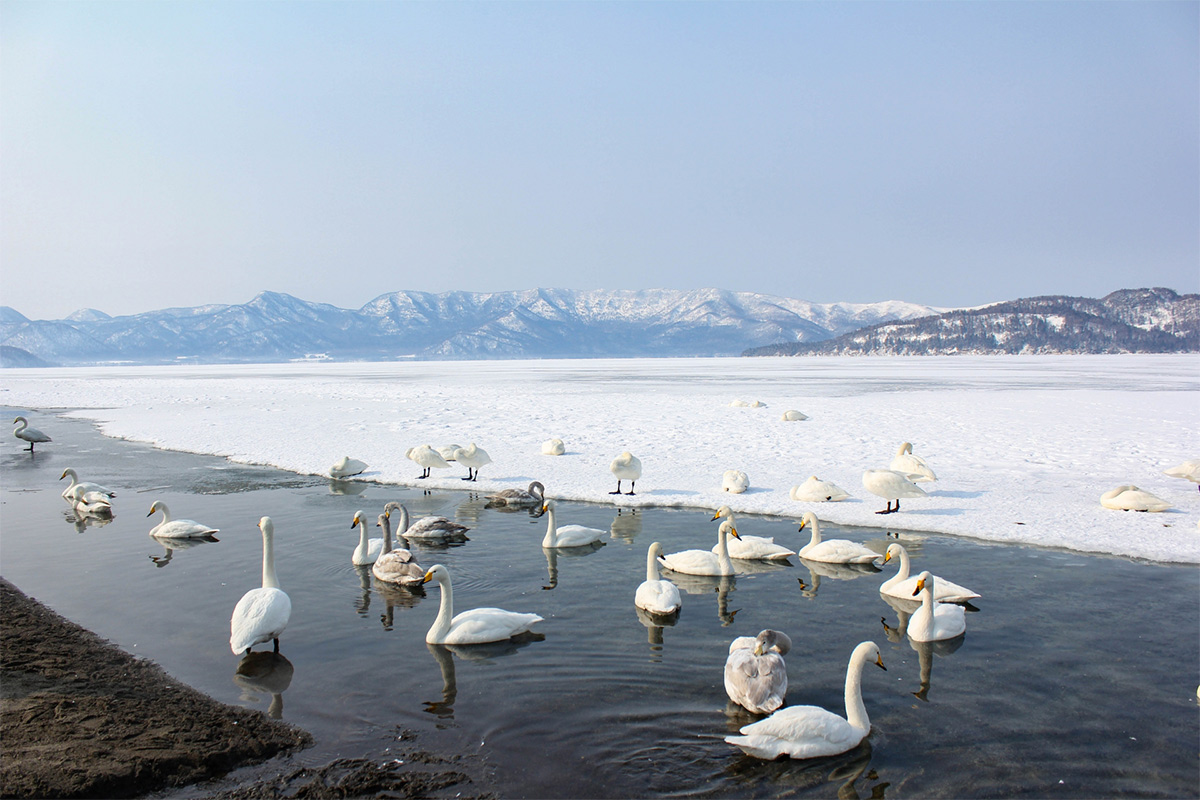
pixel 526 324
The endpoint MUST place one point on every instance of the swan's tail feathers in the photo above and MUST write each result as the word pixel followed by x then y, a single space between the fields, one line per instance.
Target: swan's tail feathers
pixel 765 747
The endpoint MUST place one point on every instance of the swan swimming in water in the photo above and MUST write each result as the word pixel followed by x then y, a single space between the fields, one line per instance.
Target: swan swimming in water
pixel 833 551
pixel 815 490
pixel 535 495
pixel 755 674
pixel 890 485
pixel 28 434
pixel 429 528
pixel 79 488
pixel 472 457
pixel 704 562
pixel 1131 498
pixel 368 549
pixel 568 535
pixel 912 467
pixel 627 467
pixel 654 594
pixel 396 565
pixel 177 528
pixel 751 548
pixel 934 621
pixel 476 626
pixel 262 614
pixel 902 587
pixel 811 731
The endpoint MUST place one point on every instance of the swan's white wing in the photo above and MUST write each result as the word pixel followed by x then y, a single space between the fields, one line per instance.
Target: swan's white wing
pixel 658 597
pixel 947 622
pixel 260 616
pixel 182 529
pixel 755 548
pixel 433 527
pixel 800 732
pixel 480 625
pixel 913 466
pixel 578 535
pixel 944 591
pixel 692 562
pixel 839 551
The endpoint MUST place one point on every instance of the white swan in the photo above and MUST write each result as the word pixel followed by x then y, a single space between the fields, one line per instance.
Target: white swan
pixel 890 485
pixel 751 548
pixel 28 434
pixel 902 587
pixel 1188 470
pixel 472 457
pixel 794 416
pixel 734 481
pixel 447 451
pixel 429 528
pixel 347 466
pixel 627 467
pixel 755 674
pixel 476 626
pixel 92 504
pixel 833 551
pixel 553 447
pixel 704 562
pixel 427 458
pixel 78 488
pixel 568 535
pixel 744 404
pixel 811 731
pixel 655 594
pixel 934 621
pixel 815 490
pixel 913 467
pixel 535 495
pixel 176 528
pixel 1131 498
pixel 396 565
pixel 368 549
pixel 261 614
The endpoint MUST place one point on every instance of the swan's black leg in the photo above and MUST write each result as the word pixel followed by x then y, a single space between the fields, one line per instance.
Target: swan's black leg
pixel 897 504
pixel 468 478
pixel 631 484
pixel 424 474
pixel 276 644
pixel 476 474
pixel 618 491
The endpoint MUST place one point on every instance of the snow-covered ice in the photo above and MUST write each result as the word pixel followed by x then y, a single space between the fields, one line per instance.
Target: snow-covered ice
pixel 1023 446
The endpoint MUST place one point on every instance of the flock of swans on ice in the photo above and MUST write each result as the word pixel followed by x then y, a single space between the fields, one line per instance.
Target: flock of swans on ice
pixel 755 676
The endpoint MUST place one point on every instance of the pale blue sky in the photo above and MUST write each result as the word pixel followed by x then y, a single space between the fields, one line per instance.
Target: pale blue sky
pixel 174 154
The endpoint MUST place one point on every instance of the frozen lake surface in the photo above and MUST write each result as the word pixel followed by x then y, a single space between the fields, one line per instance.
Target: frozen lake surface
pixel 1076 677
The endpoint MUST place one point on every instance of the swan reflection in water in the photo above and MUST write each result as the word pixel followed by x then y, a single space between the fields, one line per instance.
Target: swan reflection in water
pixel 925 650
pixel 553 553
pixel 626 525
pixel 723 585
pixel 480 653
pixel 840 572
pixel 654 627
pixel 794 775
pixel 396 596
pixel 264 673
pixel 83 519
pixel 171 545
pixel 347 488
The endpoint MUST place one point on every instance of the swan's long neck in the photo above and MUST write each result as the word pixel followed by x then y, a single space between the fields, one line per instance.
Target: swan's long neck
pixel 651 565
pixel 386 524
pixel 537 490
pixel 856 712
pixel 441 624
pixel 403 526
pixel 71 474
pixel 269 579
pixel 816 534
pixel 723 552
pixel 905 566
pixel 551 538
pixel 363 544
pixel 22 424
pixel 166 512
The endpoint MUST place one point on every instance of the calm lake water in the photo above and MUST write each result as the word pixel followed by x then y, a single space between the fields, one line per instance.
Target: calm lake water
pixel 1077 675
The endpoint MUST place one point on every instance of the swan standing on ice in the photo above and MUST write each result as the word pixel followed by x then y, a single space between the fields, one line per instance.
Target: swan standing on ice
pixel 1131 498
pixel 912 467
pixel 346 467
pixel 261 614
pixel 396 565
pixel 902 587
pixel 890 485
pixel 476 626
pixel 734 481
pixel 568 535
pixel 427 458
pixel 553 447
pixel 429 528
pixel 755 675
pixel 535 495
pixel 177 528
pixel 833 551
pixel 626 467
pixel 815 490
pixel 751 548
pixel 704 562
pixel 368 549
pixel 934 621
pixel 472 458
pixel 28 434
pixel 811 731
pixel 1188 470
pixel 655 594
pixel 79 488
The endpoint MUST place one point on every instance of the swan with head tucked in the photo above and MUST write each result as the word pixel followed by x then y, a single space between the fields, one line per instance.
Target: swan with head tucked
pixel 627 467
pixel 1131 498
pixel 811 731
pixel 704 562
pixel 934 621
pixel 890 485
pixel 92 504
pixel 833 551
pixel 431 528
pixel 472 457
pixel 262 614
pixel 177 528
pixel 794 416
pixel 396 565
pixel 78 488
pixel 654 594
pixel 1188 471
pixel 427 458
pixel 476 626
pixel 912 467
pixel 447 451
pixel 815 490
pixel 28 434
pixel 553 447
pixel 535 495
pixel 734 481
pixel 568 535
pixel 347 466
pixel 368 549
pixel 751 548
pixel 902 587
pixel 755 675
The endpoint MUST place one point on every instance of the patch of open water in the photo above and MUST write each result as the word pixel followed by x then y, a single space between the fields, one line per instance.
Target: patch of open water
pixel 1076 677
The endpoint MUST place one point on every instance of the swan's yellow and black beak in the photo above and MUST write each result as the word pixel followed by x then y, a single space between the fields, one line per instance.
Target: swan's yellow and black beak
pixel 887 557
pixel 151 513
pixel 355 523
pixel 920 587
pixel 716 516
pixel 758 648
pixel 733 530
pixel 428 577
pixel 879 663
pixel 803 522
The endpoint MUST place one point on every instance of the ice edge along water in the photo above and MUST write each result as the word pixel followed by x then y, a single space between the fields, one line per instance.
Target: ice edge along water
pixel 1023 446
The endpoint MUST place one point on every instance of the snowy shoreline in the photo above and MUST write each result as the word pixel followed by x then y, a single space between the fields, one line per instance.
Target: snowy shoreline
pixel 1023 446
